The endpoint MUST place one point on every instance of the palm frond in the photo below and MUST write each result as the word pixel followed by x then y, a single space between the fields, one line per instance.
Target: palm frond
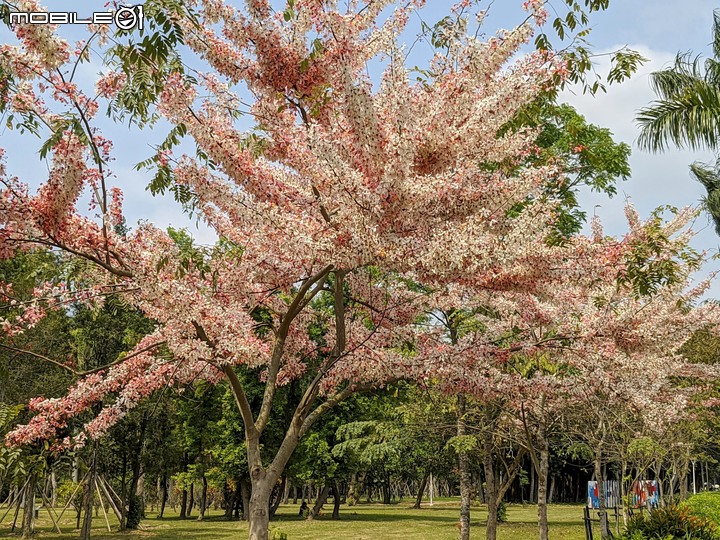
pixel 690 119
pixel 709 176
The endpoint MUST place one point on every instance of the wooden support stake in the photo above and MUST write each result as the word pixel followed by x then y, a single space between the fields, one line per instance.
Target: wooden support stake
pixel 107 521
pixel 50 511
pixel 9 501
pixel 72 497
pixel 104 485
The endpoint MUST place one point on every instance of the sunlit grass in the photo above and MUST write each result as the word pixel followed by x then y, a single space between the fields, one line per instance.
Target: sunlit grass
pixel 362 522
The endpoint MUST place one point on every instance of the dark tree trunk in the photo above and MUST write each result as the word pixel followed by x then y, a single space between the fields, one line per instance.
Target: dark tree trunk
pixel 542 475
pixel 203 499
pixel 28 522
pixel 245 498
pixel 164 495
pixel 336 500
pixel 551 492
pixel 386 491
pixel 322 497
pixel 276 496
pixel 184 498
pixel 602 512
pixel 490 488
pixel 88 495
pixel 464 469
pixel 531 497
pixel 183 504
pixel 421 490
pixel 191 499
pixel 353 495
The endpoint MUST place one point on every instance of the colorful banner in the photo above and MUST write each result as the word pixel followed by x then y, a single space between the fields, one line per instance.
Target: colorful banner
pixel 612 494
pixel 644 494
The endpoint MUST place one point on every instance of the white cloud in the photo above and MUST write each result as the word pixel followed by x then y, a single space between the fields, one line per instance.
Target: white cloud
pixel 657 179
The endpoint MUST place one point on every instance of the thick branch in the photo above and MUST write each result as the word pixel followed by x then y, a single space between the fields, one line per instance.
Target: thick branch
pixel 302 298
pixel 75 372
pixel 235 385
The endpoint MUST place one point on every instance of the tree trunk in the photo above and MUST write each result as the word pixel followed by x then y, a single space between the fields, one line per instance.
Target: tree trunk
pixel 353 497
pixel 164 495
pixel 532 499
pixel 684 469
pixel 276 496
pixel 184 498
pixel 245 498
pixel 88 495
pixel 53 488
pixel 551 493
pixel 661 491
pixel 286 495
pixel 259 514
pixel 322 497
pixel 421 490
pixel 336 500
pixel 490 488
pixel 183 504
pixel 191 499
pixel 203 499
pixel 464 468
pixel 542 480
pixel 28 522
pixel 602 511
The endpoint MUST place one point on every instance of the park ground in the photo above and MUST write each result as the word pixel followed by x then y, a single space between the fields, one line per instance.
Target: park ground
pixel 361 522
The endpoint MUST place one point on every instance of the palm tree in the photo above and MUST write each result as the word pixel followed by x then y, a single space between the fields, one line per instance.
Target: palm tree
pixel 687 114
pixel 709 176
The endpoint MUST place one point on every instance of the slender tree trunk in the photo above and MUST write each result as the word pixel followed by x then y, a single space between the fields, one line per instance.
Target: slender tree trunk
pixel 320 501
pixel 28 522
pixel 623 491
pixel 53 488
pixel 532 499
pixel 278 492
pixel 245 498
pixel 465 479
pixel 164 495
pixel 88 495
pixel 184 498
pixel 684 469
pixel 421 490
pixel 602 512
pixel 551 492
pixel 490 488
pixel 336 500
pixel 286 495
pixel 542 479
pixel 661 491
pixel 183 504
pixel 203 499
pixel 353 497
pixel 191 499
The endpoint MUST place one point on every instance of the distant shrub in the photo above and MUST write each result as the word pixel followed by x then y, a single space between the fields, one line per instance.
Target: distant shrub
pixel 705 505
pixel 672 522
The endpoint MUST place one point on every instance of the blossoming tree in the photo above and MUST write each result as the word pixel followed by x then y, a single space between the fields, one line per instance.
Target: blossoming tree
pixel 330 213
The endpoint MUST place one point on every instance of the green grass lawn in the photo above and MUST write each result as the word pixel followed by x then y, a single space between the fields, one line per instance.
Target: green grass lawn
pixel 363 522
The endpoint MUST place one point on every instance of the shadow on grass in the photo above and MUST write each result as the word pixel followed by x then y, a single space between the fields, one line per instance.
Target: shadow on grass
pixel 369 517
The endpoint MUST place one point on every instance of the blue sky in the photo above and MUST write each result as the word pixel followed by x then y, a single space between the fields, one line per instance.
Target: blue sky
pixel 658 29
